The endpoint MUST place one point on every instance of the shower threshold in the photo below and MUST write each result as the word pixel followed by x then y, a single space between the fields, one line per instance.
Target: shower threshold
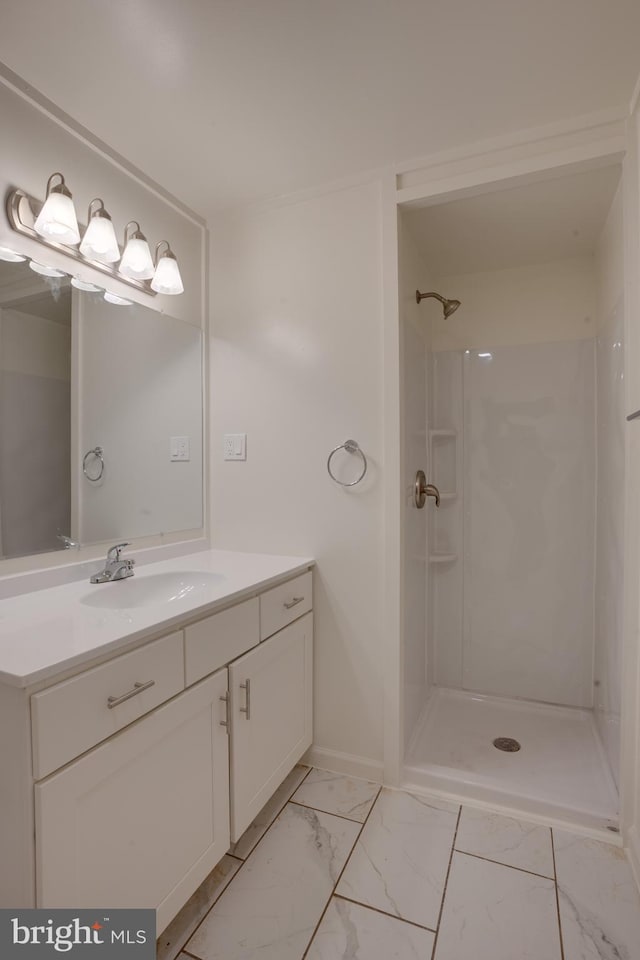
pixel 560 773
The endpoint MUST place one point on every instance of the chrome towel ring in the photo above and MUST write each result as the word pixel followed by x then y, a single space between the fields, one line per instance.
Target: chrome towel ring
pixel 98 453
pixel 351 447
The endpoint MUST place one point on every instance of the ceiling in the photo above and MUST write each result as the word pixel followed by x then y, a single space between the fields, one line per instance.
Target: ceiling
pixel 225 102
pixel 536 223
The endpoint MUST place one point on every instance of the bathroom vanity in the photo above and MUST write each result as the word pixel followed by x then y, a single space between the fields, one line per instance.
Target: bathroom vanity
pixel 144 723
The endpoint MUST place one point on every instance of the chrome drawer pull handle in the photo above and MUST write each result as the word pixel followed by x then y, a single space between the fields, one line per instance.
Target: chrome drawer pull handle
pixel 292 603
pixel 137 688
pixel 246 709
pixel 225 700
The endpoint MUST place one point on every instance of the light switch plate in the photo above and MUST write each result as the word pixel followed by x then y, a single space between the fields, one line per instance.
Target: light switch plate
pixel 179 448
pixel 234 446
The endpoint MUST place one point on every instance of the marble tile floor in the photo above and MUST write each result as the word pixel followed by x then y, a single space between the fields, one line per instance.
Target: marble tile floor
pixel 336 868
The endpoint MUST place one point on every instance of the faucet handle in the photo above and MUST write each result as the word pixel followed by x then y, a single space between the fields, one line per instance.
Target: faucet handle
pixel 113 553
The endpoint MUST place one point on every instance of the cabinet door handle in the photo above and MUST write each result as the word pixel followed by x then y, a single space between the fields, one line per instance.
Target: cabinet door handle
pixel 247 708
pixel 293 603
pixel 137 688
pixel 225 700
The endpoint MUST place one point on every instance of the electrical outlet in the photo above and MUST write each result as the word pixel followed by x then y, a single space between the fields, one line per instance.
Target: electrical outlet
pixel 234 446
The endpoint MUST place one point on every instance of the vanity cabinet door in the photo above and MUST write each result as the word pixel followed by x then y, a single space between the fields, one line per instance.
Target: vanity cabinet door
pixel 271 701
pixel 141 820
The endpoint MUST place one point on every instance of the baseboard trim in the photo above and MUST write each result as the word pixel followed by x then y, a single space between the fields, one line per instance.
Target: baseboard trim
pixel 632 847
pixel 346 763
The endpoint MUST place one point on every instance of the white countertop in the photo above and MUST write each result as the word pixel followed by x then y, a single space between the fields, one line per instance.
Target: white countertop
pixel 48 631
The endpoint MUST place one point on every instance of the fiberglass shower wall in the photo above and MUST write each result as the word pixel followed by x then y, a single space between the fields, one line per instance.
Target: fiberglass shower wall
pixel 512 444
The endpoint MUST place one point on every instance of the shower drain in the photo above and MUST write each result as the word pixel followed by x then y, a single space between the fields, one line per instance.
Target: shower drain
pixel 508 744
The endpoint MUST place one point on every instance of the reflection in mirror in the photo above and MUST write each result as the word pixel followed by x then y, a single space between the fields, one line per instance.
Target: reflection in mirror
pixel 133 389
pixel 139 389
pixel 35 427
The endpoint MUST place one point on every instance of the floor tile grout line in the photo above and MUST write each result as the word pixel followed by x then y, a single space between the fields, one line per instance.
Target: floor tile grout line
pixel 211 906
pixel 555 874
pixel 509 866
pixel 446 883
pixel 339 878
pixel 273 820
pixel 242 863
pixel 392 916
pixel 183 949
pixel 341 816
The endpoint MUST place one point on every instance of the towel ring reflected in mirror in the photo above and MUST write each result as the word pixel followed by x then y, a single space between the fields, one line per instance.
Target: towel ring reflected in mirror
pixel 98 454
pixel 351 447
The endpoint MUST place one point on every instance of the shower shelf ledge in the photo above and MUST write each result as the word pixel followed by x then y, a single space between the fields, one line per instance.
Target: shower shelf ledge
pixel 442 557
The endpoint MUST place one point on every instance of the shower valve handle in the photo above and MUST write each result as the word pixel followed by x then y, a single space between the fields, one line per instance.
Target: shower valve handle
pixel 422 490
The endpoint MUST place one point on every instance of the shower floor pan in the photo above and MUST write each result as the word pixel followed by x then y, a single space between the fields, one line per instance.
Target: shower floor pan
pixel 559 774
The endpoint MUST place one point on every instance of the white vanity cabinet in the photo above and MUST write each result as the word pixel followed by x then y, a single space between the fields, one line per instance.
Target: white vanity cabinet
pixel 270 691
pixel 132 774
pixel 142 819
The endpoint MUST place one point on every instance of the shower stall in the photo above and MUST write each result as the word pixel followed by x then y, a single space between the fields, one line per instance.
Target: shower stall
pixel 513 408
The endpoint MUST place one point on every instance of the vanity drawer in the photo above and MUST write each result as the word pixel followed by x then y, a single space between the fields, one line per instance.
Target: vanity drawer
pixel 285 603
pixel 74 715
pixel 214 642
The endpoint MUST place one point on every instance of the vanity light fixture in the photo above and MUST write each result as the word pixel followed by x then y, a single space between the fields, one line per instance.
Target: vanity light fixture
pixel 99 241
pixel 44 270
pixel 167 277
pixel 57 219
pixel 54 225
pixel 119 301
pixel 136 260
pixel 85 285
pixel 11 256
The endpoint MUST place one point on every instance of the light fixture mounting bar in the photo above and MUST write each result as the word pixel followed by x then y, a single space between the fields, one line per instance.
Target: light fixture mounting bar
pixel 15 213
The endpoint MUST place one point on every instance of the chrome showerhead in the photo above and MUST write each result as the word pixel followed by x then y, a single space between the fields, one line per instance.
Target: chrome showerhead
pixel 448 306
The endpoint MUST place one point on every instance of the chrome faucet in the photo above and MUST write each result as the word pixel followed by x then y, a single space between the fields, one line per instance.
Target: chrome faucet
pixel 115 567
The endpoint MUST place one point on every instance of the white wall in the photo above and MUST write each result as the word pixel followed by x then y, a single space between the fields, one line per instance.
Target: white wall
pixel 529 489
pixel 630 752
pixel 609 262
pixel 611 486
pixel 415 363
pixel 296 363
pixel 538 303
pixel 610 535
pixel 522 524
pixel 446 583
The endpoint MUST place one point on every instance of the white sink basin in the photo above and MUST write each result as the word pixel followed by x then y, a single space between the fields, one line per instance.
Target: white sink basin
pixel 153 590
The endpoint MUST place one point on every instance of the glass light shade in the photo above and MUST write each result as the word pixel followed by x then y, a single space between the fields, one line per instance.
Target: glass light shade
pixel 119 301
pixel 136 260
pixel 44 270
pixel 85 285
pixel 167 277
pixel 57 220
pixel 10 256
pixel 99 241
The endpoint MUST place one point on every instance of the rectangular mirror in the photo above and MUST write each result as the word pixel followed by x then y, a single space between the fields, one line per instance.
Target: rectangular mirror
pixel 77 374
